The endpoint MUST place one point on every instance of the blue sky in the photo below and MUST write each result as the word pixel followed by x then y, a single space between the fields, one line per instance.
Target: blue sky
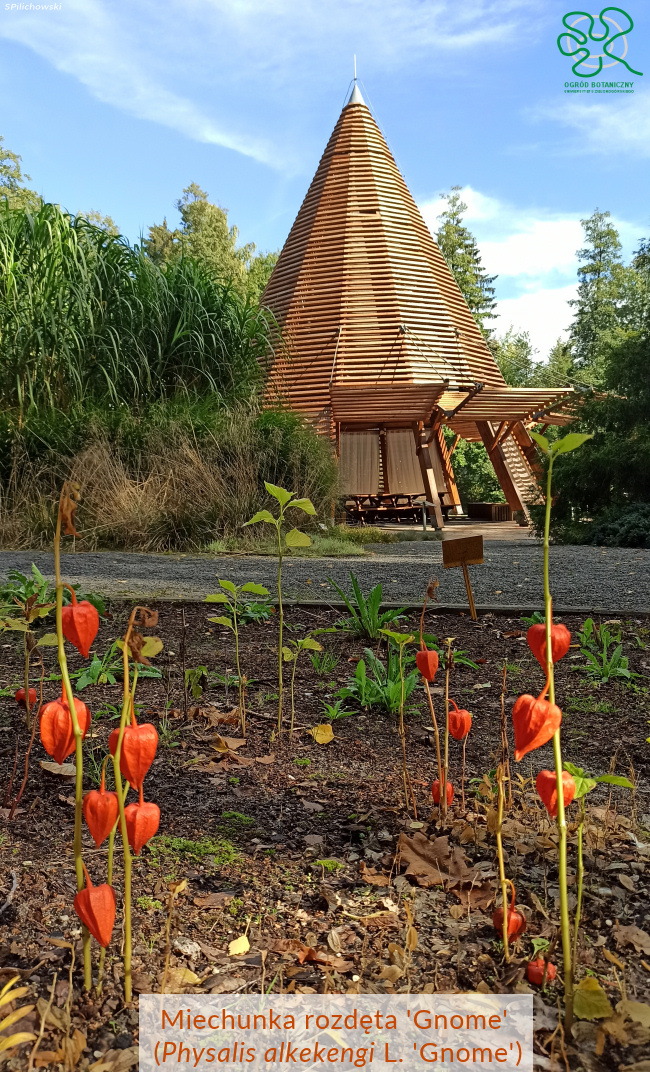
pixel 117 106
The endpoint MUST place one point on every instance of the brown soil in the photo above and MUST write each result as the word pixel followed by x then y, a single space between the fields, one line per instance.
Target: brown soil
pixel 248 832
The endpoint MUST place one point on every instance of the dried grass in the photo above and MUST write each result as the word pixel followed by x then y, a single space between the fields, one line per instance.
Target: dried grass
pixel 175 493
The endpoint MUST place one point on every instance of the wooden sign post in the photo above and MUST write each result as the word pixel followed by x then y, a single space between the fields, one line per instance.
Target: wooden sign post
pixel 464 552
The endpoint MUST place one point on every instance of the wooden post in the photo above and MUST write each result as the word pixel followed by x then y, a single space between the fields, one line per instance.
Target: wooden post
pixel 501 469
pixel 470 594
pixel 464 552
pixel 447 468
pixel 428 475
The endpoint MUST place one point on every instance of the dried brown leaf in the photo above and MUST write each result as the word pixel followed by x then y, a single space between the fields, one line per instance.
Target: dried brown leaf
pixel 372 876
pixel 633 936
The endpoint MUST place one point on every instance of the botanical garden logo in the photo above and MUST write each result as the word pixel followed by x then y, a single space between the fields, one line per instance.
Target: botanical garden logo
pixel 596 44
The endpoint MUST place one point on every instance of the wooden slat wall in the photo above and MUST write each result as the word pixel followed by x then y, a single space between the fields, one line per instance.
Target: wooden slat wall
pixel 360 277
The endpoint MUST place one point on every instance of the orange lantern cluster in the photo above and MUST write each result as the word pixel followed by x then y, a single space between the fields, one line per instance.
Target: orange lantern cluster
pixel 138 751
pixel 536 720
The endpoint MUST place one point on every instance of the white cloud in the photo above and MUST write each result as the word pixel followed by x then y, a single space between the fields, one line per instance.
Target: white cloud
pixel 236 72
pixel 533 254
pixel 544 314
pixel 619 124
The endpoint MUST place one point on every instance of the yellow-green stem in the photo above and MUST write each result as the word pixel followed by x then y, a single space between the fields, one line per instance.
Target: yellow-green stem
pixel 78 741
pixel 127 707
pixel 280 623
pixel 293 679
pixel 401 728
pixel 565 925
pixel 242 702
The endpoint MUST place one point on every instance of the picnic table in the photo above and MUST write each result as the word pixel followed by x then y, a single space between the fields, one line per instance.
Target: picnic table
pixel 394 507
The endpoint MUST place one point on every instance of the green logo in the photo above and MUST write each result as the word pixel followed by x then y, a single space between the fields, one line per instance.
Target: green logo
pixel 594 52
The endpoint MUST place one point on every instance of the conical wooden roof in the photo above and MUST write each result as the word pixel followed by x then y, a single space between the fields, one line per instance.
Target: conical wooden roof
pixel 361 290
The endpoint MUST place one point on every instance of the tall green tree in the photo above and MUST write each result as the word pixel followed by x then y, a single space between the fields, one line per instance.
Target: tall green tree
pixel 206 236
pixel 458 247
pixel 513 353
pixel 13 191
pixel 596 308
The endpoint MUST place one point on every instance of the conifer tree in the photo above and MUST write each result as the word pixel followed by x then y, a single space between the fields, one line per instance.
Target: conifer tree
pixel 458 247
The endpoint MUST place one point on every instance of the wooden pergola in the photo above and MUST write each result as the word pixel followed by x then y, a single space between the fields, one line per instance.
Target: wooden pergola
pixel 378 347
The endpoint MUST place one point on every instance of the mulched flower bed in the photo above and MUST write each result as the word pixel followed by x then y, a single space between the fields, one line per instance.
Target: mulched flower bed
pixel 308 850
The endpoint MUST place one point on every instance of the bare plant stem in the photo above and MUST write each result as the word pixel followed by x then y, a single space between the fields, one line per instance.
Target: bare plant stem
pixel 78 739
pixel 240 680
pixel 502 866
pixel 557 752
pixel 462 777
pixel 109 879
pixel 183 660
pixel 435 730
pixel 505 750
pixel 443 787
pixel 26 680
pixel 580 873
pixel 29 749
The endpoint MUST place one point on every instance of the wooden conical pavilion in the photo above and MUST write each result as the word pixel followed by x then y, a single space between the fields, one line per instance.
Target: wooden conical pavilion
pixel 379 348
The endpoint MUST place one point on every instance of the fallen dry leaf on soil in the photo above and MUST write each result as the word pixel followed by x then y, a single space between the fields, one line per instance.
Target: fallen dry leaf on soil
pixel 322 734
pixel 432 863
pixel 239 946
pixel 179 980
pixel 633 936
pixel 117 1060
pixel 372 876
pixel 213 900
pixel 63 770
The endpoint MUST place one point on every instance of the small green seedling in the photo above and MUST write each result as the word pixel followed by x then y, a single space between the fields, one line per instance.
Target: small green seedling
pixel 293 538
pixel 231 598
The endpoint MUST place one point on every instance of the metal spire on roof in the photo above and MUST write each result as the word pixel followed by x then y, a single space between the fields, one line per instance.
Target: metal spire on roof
pixel 355 96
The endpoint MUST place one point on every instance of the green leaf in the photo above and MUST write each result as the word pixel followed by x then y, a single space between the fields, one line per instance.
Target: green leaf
pixel 310 643
pixel 152 646
pixel 255 589
pixel 48 640
pixel 306 505
pixel 584 783
pixel 17 625
pixel 261 515
pixel 222 621
pixel 229 587
pixel 542 441
pixel 281 494
pixel 296 538
pixel 570 442
pixel 591 1001
pixel 288 655
pixel 218 597
pixel 615 779
pixel 399 638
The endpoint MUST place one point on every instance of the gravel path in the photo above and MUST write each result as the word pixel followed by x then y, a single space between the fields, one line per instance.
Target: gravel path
pixel 615 580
